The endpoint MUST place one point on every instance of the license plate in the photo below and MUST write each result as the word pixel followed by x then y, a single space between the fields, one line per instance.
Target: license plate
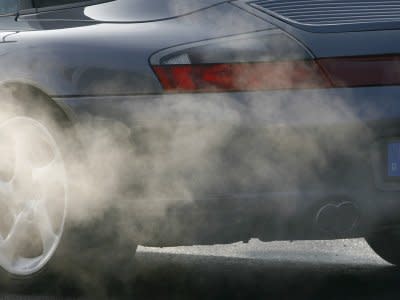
pixel 393 161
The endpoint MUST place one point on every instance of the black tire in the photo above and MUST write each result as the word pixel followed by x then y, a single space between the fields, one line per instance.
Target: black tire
pixel 91 259
pixel 386 244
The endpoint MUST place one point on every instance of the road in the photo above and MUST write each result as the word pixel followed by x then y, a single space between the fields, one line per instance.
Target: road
pixel 345 269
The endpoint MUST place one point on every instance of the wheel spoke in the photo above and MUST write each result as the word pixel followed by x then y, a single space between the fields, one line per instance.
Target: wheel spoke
pixel 20 221
pixel 8 246
pixel 46 230
pixel 21 182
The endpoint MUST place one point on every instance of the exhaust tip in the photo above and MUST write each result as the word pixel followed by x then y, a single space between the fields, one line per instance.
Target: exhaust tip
pixel 337 218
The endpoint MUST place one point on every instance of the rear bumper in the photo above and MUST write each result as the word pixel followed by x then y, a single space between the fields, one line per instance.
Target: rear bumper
pixel 261 164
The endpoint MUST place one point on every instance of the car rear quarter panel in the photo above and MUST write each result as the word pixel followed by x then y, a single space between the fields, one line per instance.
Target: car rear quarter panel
pixel 110 59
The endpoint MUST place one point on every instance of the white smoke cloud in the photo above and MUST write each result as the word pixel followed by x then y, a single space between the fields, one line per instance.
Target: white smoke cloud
pixel 179 149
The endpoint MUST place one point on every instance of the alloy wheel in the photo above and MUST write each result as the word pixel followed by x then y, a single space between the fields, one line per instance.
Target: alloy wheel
pixel 33 196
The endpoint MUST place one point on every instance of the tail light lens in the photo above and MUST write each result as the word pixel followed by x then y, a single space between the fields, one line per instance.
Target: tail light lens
pixel 241 77
pixel 266 61
pixel 359 71
pixel 262 61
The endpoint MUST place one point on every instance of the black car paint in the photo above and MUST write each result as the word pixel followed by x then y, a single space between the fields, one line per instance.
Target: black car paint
pixel 122 66
pixel 54 51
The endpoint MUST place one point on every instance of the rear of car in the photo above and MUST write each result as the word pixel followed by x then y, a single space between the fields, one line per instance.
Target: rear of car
pixel 217 121
pixel 305 110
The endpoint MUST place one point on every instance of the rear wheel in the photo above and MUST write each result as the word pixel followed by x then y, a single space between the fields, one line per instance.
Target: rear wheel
pixel 33 188
pixel 38 248
pixel 386 244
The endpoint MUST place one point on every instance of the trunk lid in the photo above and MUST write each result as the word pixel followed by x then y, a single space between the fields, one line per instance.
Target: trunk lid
pixel 334 15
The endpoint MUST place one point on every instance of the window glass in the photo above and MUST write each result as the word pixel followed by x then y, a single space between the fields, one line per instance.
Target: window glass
pixel 8 6
pixel 45 3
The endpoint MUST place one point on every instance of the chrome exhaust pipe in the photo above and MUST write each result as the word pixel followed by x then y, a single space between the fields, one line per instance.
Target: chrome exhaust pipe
pixel 337 218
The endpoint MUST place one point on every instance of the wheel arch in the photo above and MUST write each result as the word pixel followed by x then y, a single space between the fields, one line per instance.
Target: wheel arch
pixel 23 91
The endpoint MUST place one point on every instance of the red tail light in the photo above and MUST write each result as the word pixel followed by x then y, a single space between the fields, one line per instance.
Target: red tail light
pixel 362 70
pixel 269 60
pixel 322 73
pixel 241 76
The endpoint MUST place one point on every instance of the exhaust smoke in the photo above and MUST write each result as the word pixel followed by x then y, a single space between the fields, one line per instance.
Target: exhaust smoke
pixel 173 150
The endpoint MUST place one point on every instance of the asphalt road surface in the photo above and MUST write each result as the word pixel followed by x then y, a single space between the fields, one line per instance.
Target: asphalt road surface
pixel 345 269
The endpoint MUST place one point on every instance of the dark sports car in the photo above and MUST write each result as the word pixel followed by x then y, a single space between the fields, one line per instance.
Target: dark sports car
pixel 181 122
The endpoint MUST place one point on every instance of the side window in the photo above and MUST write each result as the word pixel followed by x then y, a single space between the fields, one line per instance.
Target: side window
pixel 46 3
pixel 8 7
